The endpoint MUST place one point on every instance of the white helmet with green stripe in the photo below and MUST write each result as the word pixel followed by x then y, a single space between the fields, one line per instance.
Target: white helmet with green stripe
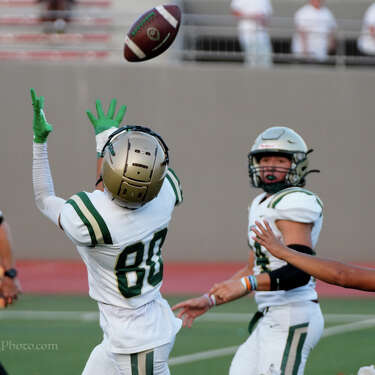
pixel 134 166
pixel 281 141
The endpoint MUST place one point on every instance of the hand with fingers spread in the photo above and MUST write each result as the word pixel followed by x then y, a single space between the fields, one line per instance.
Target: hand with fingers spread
pixel 265 237
pixel 228 290
pixel 192 308
pixel 41 127
pixel 104 125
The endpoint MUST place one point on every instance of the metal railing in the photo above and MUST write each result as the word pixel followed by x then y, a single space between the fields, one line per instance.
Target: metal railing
pixel 201 38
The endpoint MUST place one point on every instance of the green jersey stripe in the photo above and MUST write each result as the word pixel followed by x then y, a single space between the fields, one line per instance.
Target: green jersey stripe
pixel 88 216
pixel 283 194
pixel 106 235
pixel 293 349
pixel 175 183
pixel 85 221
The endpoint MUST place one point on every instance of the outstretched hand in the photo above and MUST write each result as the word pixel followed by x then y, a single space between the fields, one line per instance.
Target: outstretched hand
pixel 265 237
pixel 228 290
pixel 104 122
pixel 191 309
pixel 41 127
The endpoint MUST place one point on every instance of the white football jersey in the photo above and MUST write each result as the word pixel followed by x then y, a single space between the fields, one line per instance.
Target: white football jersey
pixel 121 247
pixel 122 252
pixel 293 204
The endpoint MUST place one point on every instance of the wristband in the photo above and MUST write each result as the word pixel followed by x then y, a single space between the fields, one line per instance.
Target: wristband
pixel 101 139
pixel 211 299
pixel 250 283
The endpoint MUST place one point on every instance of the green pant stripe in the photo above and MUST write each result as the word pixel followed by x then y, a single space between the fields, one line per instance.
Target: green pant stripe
pixel 134 363
pixel 301 341
pixel 292 351
pixel 150 363
pixel 102 225
pixel 84 220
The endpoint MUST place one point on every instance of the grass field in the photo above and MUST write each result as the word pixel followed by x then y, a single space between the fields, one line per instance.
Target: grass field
pixel 54 335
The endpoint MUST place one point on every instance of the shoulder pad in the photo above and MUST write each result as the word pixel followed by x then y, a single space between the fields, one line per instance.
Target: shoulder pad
pixel 91 218
pixel 176 185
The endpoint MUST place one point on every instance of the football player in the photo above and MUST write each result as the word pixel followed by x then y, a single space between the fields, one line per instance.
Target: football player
pixel 289 322
pixel 330 271
pixel 119 233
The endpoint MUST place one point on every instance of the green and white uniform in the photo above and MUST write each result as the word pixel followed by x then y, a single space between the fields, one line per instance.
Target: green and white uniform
pixel 293 204
pixel 122 252
pixel 292 321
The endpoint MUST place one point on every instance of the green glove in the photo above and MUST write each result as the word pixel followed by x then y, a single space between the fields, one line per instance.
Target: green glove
pixel 103 122
pixel 41 127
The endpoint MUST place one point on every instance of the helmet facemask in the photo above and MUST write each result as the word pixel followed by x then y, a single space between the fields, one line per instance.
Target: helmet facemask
pixel 279 141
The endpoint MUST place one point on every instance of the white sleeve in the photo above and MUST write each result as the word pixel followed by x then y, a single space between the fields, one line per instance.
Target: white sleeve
pixel 74 227
pixel 299 207
pixel 44 193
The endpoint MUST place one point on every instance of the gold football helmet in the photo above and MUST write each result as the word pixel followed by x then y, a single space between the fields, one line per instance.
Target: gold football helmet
pixel 282 141
pixel 134 166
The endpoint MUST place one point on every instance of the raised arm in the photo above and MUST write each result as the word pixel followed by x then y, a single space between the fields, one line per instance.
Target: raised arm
pixel 330 271
pixel 44 192
pixel 104 126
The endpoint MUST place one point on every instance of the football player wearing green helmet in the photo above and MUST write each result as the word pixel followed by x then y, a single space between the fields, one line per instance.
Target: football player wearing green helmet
pixel 289 322
pixel 119 230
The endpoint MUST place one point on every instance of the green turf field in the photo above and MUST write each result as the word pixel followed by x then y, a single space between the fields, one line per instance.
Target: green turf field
pixel 45 335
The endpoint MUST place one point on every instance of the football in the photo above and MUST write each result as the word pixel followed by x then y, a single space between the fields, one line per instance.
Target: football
pixel 152 33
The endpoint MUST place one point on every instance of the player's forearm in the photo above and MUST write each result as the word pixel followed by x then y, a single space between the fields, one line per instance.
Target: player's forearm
pixel 327 270
pixel 245 271
pixel 44 192
pixel 6 258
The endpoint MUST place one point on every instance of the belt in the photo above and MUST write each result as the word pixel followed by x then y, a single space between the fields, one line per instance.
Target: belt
pixel 259 314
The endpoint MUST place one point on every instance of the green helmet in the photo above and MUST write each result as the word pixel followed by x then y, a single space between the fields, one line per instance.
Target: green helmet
pixel 281 141
pixel 134 166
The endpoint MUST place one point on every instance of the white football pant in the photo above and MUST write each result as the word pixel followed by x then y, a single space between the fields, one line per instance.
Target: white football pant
pixel 103 362
pixel 281 342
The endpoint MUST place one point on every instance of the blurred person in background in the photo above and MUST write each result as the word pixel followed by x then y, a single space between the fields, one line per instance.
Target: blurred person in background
pixel 253 18
pixel 289 322
pixel 119 230
pixel 56 14
pixel 366 41
pixel 315 31
pixel 9 284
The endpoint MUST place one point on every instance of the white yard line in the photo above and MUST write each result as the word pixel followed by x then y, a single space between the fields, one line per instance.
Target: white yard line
pixel 210 317
pixel 361 321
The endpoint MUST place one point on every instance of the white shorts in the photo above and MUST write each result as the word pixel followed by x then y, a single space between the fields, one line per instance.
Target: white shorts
pixel 149 362
pixel 281 342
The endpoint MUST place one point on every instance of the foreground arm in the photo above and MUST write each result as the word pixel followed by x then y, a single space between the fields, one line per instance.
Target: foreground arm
pixel 9 286
pixel 330 271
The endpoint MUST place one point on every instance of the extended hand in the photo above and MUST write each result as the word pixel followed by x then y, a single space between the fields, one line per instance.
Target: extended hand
pixel 191 309
pixel 41 127
pixel 266 237
pixel 105 122
pixel 9 290
pixel 228 290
